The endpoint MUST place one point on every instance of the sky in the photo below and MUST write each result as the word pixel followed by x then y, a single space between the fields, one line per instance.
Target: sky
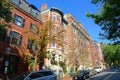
pixel 78 8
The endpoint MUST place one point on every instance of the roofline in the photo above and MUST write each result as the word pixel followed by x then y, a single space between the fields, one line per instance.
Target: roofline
pixel 52 8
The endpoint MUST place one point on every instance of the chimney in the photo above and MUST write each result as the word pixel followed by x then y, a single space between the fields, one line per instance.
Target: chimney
pixel 44 6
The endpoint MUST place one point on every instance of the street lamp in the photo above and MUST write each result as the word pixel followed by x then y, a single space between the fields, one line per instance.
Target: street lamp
pixel 8 49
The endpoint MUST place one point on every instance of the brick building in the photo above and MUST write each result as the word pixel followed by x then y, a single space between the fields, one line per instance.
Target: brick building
pixel 56 50
pixel 78 42
pixel 26 18
pixel 97 55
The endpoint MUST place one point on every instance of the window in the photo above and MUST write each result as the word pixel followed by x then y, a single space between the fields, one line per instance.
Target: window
pixel 46 73
pixel 35 75
pixel 54 30
pixel 65 49
pixel 33 12
pixel 15 38
pixel 34 28
pixel 32 45
pixel 65 38
pixel 79 34
pixel 54 17
pixel 74 30
pixel 18 20
pixel 15 1
pixel 53 45
pixel 74 39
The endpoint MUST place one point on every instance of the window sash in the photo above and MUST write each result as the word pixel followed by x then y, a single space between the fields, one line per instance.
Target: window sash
pixel 53 45
pixel 33 12
pixel 54 30
pixel 15 38
pixel 15 1
pixel 54 17
pixel 32 45
pixel 34 28
pixel 19 20
pixel 74 30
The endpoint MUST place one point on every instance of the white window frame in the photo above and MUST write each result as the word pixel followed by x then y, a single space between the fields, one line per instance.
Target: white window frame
pixel 54 16
pixel 74 30
pixel 18 20
pixel 53 45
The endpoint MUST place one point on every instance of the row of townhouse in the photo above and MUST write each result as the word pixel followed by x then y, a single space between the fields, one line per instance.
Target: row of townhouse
pixel 75 53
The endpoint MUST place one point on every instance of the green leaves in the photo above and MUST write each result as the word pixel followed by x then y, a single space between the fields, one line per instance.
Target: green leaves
pixel 5 17
pixel 5 10
pixel 2 32
pixel 111 53
pixel 30 60
pixel 108 19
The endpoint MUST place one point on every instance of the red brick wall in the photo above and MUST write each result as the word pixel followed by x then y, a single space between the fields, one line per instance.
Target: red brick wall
pixel 23 31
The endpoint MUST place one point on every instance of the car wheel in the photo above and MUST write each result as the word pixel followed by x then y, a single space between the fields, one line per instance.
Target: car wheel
pixel 84 77
pixel 88 75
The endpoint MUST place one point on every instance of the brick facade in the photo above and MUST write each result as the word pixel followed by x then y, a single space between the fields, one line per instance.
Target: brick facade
pixel 78 41
pixel 17 52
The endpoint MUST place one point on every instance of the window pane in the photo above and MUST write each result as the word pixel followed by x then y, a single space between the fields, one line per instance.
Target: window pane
pixel 15 38
pixel 33 12
pixel 19 20
pixel 34 28
pixel 54 17
pixel 53 45
pixel 31 45
pixel 15 1
pixel 54 30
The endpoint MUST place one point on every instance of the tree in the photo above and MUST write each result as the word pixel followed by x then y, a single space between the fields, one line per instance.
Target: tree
pixel 46 35
pixel 108 18
pixel 111 54
pixel 5 17
pixel 5 10
pixel 77 57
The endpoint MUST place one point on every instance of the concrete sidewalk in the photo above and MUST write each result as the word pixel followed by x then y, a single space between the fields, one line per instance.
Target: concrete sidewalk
pixel 65 78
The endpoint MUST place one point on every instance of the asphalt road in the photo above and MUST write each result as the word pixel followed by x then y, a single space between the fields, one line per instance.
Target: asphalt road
pixel 113 74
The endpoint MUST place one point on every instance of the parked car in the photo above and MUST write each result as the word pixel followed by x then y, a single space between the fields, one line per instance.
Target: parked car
pixel 113 67
pixel 98 69
pixel 92 72
pixel 37 75
pixel 84 74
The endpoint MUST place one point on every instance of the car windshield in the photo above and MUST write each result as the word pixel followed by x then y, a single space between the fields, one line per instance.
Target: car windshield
pixel 22 76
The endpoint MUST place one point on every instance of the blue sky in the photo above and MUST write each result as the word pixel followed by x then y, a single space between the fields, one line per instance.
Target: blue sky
pixel 78 8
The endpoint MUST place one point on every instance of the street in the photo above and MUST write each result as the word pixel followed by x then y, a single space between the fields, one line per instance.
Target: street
pixel 113 74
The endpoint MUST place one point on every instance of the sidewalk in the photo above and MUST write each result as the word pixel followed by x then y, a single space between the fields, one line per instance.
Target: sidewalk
pixel 65 78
